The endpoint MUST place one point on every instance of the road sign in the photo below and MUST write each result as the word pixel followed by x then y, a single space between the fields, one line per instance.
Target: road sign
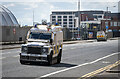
pixel 14 31
pixel 94 27
pixel 106 27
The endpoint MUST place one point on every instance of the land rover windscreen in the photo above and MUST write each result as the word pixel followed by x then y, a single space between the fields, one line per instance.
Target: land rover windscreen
pixel 40 36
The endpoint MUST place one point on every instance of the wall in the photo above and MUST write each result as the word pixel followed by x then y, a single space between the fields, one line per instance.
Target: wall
pixel 13 34
pixel 66 34
pixel 8 34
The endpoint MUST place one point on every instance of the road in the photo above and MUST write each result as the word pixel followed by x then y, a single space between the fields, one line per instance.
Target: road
pixel 77 60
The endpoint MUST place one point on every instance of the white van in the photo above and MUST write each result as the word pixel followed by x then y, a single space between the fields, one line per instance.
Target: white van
pixel 101 36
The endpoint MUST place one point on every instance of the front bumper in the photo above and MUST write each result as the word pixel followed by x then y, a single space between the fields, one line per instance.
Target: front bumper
pixel 33 57
pixel 101 38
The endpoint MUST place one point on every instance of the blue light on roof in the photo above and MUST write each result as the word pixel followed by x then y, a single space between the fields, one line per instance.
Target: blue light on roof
pixel 56 24
pixel 35 26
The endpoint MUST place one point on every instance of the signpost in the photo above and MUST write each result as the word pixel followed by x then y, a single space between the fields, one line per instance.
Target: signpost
pixel 106 29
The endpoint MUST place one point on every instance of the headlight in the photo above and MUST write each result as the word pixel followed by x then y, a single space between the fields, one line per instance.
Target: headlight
pixel 24 49
pixel 45 50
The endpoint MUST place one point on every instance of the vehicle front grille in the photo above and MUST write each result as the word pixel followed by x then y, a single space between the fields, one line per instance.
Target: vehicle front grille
pixel 34 50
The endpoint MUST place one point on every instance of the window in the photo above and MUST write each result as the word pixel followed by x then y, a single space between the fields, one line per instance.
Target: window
pixel 64 25
pixel 115 23
pixel 64 16
pixel 59 19
pixel 64 19
pixel 59 22
pixel 70 19
pixel 53 19
pixel 111 23
pixel 118 23
pixel 59 16
pixel 64 22
pixel 70 26
pixel 53 22
pixel 53 16
pixel 45 36
pixel 70 22
pixel 95 17
pixel 70 16
pixel 106 23
pixel 99 16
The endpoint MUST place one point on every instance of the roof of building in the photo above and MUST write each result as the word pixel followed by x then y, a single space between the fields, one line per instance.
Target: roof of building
pixel 82 12
pixel 89 13
pixel 7 18
pixel 113 15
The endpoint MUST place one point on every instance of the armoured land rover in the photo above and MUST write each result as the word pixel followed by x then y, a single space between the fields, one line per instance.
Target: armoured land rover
pixel 44 44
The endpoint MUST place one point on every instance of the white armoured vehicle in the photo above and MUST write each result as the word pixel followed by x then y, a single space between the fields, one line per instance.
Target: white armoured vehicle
pixel 44 44
pixel 101 36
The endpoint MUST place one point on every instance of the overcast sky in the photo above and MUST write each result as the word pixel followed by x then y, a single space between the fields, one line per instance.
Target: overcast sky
pixel 23 9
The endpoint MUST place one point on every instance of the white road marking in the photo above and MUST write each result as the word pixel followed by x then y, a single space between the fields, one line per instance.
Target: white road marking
pixel 6 53
pixel 16 56
pixel 2 58
pixel 78 65
pixel 105 62
pixel 9 57
pixel 64 49
pixel 103 58
pixel 72 48
pixel 11 52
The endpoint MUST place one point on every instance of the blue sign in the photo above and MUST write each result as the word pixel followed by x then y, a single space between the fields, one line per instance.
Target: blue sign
pixel 106 27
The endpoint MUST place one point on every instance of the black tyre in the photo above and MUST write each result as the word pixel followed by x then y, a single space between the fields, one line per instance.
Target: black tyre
pixel 105 39
pixel 98 40
pixel 22 62
pixel 59 56
pixel 50 59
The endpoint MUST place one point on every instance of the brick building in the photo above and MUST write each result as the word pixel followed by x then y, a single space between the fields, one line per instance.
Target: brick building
pixel 112 20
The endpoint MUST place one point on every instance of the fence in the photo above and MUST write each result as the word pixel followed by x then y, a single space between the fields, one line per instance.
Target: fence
pixel 13 34
pixel 17 34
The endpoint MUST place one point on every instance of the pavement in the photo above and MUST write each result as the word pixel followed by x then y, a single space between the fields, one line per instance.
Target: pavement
pixel 12 46
pixel 77 60
pixel 111 73
pixel 7 45
pixel 87 51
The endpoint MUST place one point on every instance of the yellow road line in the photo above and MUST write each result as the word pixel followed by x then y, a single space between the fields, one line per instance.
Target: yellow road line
pixel 100 70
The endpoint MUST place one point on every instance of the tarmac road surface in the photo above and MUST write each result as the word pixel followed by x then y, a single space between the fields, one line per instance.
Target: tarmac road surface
pixel 77 60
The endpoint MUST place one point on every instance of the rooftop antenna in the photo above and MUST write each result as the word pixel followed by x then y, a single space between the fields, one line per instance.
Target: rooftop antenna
pixel 78 5
pixel 33 17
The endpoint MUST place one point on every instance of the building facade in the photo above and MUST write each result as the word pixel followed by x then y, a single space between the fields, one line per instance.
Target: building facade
pixel 70 18
pixel 90 22
pixel 64 18
pixel 112 21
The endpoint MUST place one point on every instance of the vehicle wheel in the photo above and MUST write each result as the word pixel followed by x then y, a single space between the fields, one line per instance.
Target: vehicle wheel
pixel 59 56
pixel 105 39
pixel 98 40
pixel 50 59
pixel 22 62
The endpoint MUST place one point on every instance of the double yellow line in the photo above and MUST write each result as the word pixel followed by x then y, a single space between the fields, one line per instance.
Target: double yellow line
pixel 91 74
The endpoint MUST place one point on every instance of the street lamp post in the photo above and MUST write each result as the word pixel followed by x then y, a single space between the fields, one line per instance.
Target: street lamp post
pixel 33 17
pixel 72 27
pixel 79 28
pixel 107 16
